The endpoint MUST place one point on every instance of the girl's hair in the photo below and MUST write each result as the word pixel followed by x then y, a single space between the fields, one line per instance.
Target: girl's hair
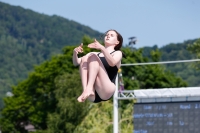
pixel 120 39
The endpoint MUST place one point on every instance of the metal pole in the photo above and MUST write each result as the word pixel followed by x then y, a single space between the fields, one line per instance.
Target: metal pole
pixel 115 108
pixel 164 62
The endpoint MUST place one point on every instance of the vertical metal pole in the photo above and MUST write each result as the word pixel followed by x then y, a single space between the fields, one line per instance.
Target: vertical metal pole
pixel 115 108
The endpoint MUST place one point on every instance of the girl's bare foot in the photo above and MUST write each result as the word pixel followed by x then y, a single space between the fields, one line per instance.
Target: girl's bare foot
pixel 85 95
pixel 80 98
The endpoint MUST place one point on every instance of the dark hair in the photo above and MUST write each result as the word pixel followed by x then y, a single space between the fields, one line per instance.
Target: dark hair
pixel 120 39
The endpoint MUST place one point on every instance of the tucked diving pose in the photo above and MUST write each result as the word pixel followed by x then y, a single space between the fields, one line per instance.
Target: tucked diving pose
pixel 98 70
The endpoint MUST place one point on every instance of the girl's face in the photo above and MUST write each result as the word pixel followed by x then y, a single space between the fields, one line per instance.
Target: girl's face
pixel 111 38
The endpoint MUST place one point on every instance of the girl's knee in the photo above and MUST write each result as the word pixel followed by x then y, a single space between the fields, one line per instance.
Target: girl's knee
pixel 93 57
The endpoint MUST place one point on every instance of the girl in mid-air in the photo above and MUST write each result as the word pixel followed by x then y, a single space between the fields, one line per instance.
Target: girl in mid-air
pixel 98 70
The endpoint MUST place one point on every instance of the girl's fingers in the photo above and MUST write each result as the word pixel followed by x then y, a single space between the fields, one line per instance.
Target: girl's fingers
pixel 96 40
pixel 81 45
pixel 90 45
pixel 80 49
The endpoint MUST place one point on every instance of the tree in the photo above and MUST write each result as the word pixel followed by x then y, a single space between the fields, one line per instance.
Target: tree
pixel 195 48
pixel 39 98
pixel 147 76
pixel 68 113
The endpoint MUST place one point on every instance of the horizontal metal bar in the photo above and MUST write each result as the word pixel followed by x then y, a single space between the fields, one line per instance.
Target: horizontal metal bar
pixel 164 62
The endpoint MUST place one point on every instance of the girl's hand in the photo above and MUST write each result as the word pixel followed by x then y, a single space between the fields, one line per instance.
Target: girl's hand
pixel 79 49
pixel 95 45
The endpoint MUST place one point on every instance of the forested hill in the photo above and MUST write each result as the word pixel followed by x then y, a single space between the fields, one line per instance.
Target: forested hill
pixel 28 38
pixel 172 51
pixel 175 52
pixel 38 28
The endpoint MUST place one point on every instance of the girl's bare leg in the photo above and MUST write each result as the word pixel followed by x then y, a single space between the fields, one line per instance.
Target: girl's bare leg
pixel 97 79
pixel 84 77
pixel 93 68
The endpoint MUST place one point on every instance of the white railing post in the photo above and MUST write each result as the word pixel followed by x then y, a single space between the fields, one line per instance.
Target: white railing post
pixel 115 108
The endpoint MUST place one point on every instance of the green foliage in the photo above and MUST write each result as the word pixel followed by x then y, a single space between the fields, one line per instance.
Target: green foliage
pixel 147 76
pixel 179 51
pixel 195 48
pixel 98 120
pixel 155 55
pixel 34 97
pixel 47 95
pixel 39 28
pixel 28 38
pixel 69 112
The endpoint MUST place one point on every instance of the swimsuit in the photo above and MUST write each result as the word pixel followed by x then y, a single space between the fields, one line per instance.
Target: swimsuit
pixel 112 73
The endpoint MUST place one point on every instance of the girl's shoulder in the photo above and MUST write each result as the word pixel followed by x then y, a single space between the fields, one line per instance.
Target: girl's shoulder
pixel 120 52
pixel 116 52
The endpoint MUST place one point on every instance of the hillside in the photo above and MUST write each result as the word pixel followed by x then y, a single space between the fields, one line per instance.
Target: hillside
pixel 175 52
pixel 38 28
pixel 27 38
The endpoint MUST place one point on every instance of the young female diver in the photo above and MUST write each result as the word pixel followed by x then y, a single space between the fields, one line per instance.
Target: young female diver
pixel 98 70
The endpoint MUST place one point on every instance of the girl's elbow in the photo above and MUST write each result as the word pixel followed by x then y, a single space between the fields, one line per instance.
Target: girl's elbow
pixel 112 64
pixel 76 64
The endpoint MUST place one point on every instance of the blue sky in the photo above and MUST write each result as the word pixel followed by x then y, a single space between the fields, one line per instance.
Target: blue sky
pixel 153 22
